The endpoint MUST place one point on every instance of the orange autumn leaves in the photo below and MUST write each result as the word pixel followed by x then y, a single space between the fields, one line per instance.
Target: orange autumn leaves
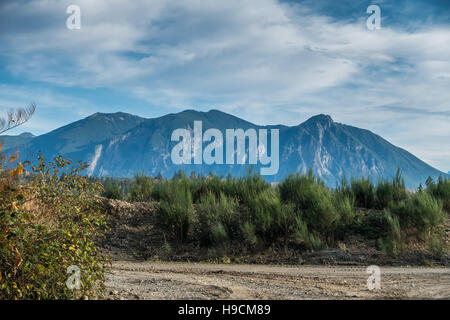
pixel 18 170
pixel 10 168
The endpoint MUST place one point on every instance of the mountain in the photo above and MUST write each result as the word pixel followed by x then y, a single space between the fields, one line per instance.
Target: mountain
pixel 334 150
pixel 73 139
pixel 122 145
pixel 14 141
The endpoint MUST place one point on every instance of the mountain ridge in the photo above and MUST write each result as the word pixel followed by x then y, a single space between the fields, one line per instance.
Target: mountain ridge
pixel 121 144
pixel 11 141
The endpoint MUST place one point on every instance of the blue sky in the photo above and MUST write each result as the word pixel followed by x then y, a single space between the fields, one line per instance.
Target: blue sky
pixel 264 60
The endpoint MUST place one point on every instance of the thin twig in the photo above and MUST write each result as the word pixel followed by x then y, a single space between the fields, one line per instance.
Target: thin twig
pixel 15 118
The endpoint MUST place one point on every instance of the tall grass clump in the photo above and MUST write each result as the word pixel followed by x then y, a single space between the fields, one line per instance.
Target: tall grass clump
pixel 420 212
pixel 363 192
pixel 384 194
pixel 420 216
pixel 141 188
pixel 176 212
pixel 248 187
pixel 392 243
pixel 113 189
pixel 201 186
pixel 262 217
pixel 312 199
pixel 217 219
pixel 344 205
pixel 388 193
pixel 317 211
pixel 301 235
pixel 441 190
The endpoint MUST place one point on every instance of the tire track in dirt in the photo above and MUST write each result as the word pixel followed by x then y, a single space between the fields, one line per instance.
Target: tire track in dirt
pixel 147 280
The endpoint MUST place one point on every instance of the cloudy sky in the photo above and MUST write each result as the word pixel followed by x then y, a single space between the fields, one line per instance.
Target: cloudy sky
pixel 267 61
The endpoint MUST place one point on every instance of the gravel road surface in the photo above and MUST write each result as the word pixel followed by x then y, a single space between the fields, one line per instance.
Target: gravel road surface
pixel 148 280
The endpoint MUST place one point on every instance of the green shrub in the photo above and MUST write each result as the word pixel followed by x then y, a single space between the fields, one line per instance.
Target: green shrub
pixel 420 216
pixel 141 188
pixel 285 222
pixel 318 214
pixel 213 184
pixel 388 194
pixel 263 212
pixel 249 233
pixel 218 235
pixel 398 186
pixel 345 209
pixel 384 194
pixel 392 244
pixel 176 212
pixel 163 189
pixel 441 190
pixel 363 192
pixel 312 199
pixel 46 225
pixel 113 190
pixel 371 225
pixel 421 212
pixel 291 187
pixel 344 190
pixel 293 228
pixel 302 236
pixel 300 211
pixel 216 219
pixel 246 188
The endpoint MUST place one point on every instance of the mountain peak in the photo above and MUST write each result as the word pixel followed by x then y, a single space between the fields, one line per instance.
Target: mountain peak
pixel 322 119
pixel 196 112
pixel 118 114
pixel 27 135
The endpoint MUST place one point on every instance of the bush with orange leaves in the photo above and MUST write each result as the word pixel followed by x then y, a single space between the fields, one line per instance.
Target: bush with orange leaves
pixel 50 218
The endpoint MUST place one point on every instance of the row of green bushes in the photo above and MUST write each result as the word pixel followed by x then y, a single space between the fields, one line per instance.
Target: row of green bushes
pixel 301 211
pixel 367 195
pixel 138 189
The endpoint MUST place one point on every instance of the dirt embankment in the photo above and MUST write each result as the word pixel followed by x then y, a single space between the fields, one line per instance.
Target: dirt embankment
pixel 135 236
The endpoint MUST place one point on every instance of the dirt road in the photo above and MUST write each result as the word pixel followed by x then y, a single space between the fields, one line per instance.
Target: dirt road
pixel 145 280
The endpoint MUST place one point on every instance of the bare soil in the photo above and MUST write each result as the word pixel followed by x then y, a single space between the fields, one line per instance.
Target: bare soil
pixel 149 280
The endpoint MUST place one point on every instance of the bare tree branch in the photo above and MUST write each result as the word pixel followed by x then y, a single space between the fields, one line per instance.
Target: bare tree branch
pixel 15 118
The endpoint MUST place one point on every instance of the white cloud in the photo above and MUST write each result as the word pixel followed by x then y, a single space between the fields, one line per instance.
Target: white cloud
pixel 53 109
pixel 260 59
